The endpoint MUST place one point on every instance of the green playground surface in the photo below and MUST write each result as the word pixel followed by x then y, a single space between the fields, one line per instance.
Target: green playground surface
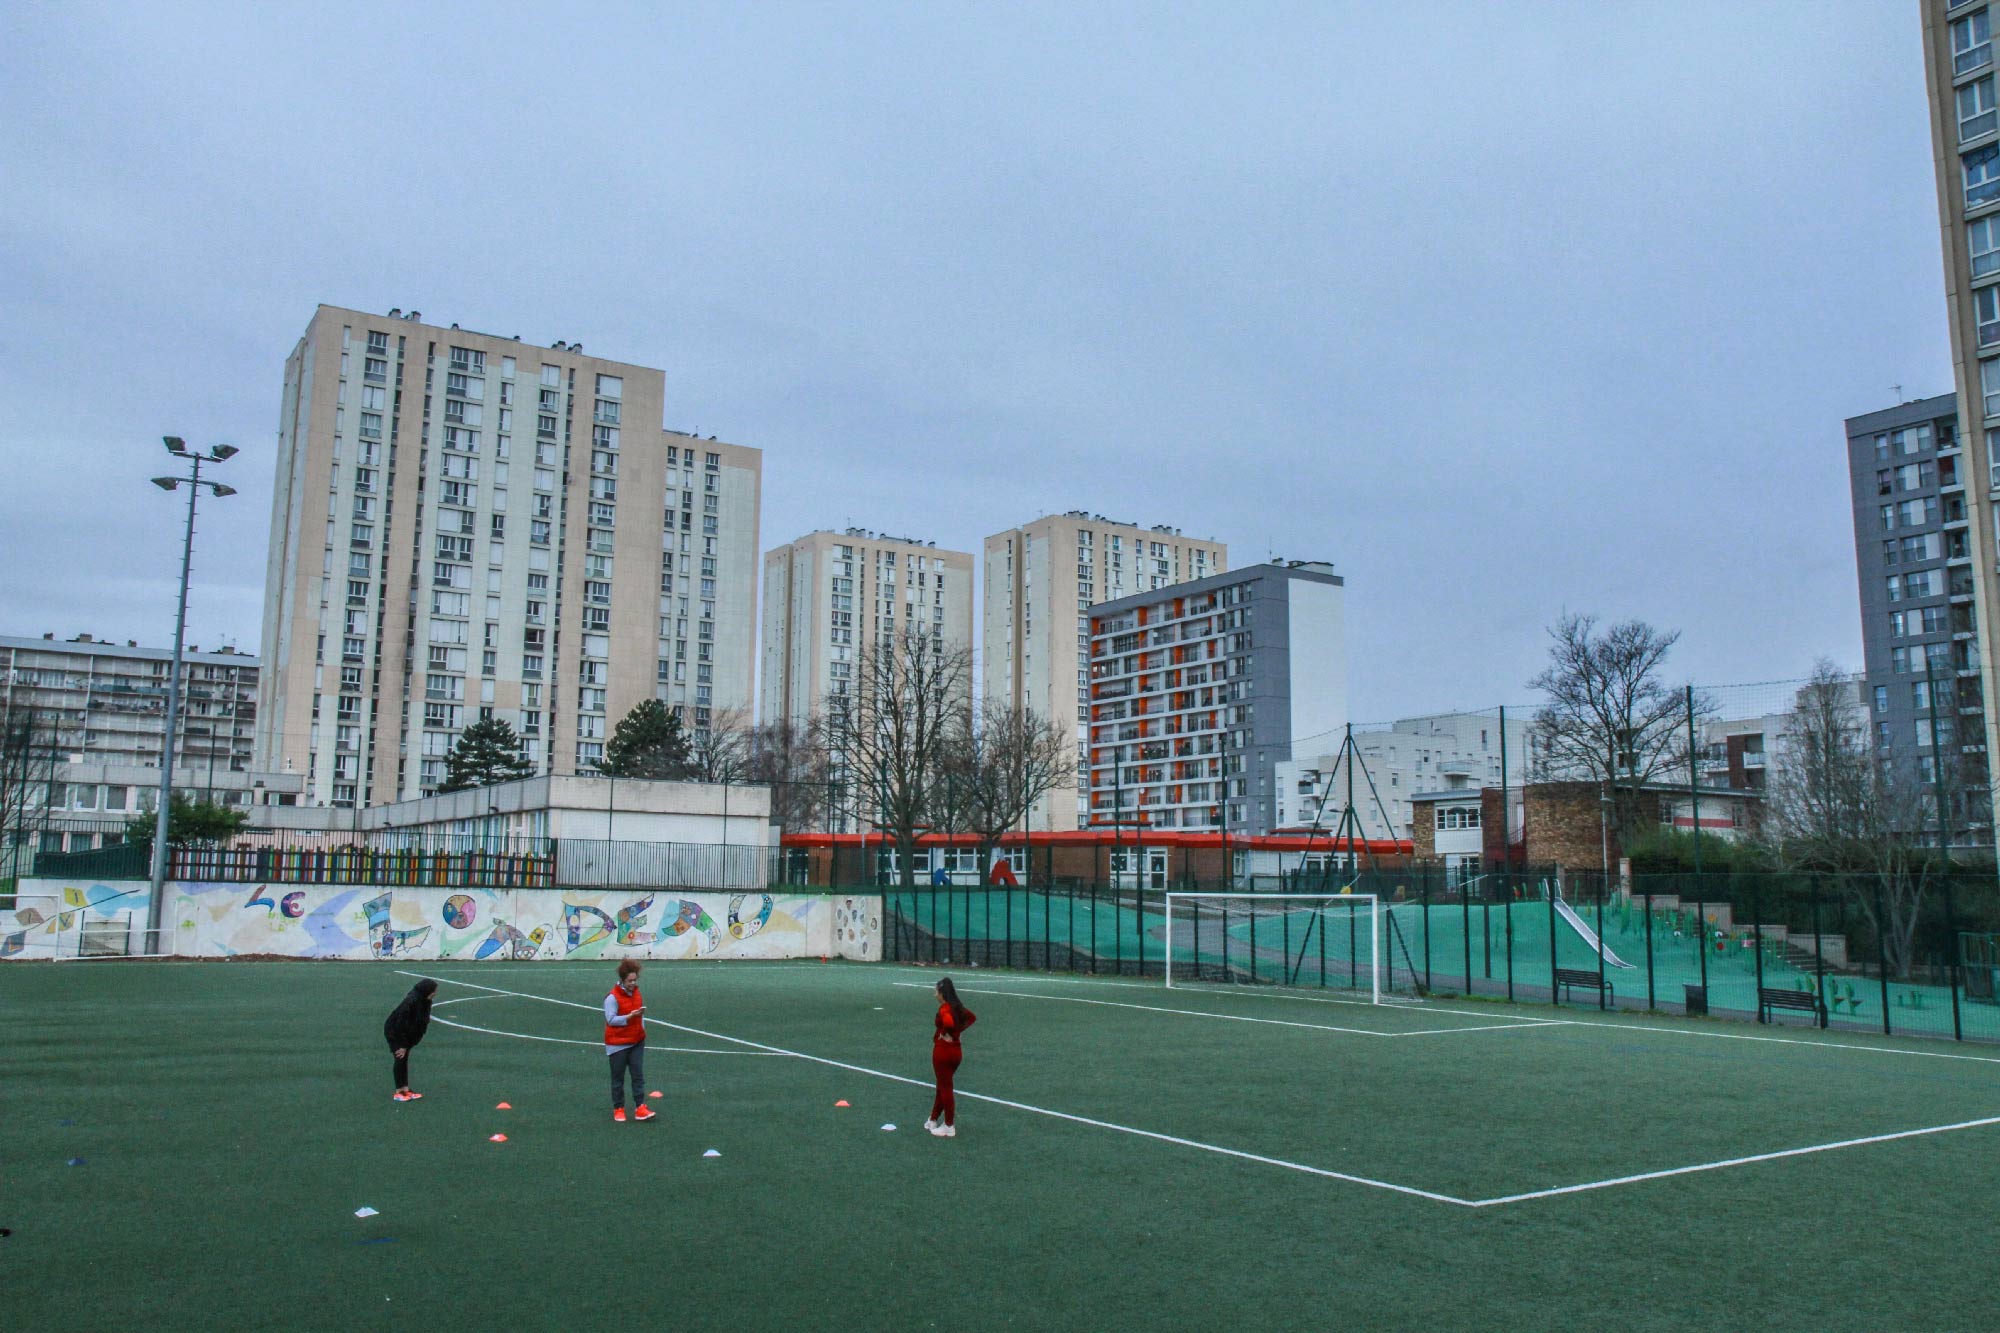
pixel 1128 1156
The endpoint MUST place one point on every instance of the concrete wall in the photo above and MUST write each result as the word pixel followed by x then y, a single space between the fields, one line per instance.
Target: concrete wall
pixel 373 922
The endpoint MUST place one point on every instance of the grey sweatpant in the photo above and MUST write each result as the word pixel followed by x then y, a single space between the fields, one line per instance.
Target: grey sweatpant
pixel 631 1057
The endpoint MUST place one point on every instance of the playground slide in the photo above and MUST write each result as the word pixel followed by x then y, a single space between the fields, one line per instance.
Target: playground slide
pixel 1576 923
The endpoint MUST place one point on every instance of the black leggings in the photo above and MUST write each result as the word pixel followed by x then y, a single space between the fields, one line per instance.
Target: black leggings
pixel 631 1057
pixel 402 1067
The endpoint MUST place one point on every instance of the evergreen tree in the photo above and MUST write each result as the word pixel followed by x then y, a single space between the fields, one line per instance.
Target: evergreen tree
pixel 486 753
pixel 648 743
pixel 190 823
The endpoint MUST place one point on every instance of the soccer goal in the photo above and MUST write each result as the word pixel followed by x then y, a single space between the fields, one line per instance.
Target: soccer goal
pixel 1323 941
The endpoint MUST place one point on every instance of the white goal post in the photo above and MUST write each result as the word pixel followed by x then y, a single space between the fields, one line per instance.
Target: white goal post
pixel 1279 937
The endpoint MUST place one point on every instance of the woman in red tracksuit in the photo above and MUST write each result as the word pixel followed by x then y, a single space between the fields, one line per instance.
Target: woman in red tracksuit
pixel 952 1020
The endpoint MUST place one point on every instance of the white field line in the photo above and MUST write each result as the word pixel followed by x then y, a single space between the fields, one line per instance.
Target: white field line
pixel 1020 1106
pixel 1230 1018
pixel 1726 1163
pixel 1390 1186
pixel 572 1041
pixel 1243 993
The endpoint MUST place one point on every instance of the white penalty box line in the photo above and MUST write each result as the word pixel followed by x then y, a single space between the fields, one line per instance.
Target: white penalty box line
pixel 1245 1018
pixel 1259 1158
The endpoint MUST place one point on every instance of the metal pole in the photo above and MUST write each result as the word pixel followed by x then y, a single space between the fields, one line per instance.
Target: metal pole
pixel 1951 974
pixel 1506 810
pixel 1694 786
pixel 1882 960
pixel 156 902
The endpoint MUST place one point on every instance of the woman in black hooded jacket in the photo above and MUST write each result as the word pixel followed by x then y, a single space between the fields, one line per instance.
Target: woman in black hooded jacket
pixel 404 1028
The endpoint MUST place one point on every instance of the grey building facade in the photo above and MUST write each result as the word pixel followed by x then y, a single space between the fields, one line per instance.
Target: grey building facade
pixel 1913 556
pixel 1199 690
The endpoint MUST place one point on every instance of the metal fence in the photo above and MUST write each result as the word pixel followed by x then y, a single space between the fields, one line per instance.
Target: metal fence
pixel 1833 951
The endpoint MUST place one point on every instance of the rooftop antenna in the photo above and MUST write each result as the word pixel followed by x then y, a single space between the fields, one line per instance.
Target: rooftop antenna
pixel 1899 391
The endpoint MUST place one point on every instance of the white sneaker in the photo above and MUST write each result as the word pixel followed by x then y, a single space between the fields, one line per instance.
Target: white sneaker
pixel 931 1125
pixel 946 1131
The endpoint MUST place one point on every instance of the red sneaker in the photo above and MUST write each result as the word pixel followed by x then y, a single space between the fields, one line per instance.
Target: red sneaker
pixel 399 1096
pixel 413 1096
pixel 645 1113
pixel 618 1114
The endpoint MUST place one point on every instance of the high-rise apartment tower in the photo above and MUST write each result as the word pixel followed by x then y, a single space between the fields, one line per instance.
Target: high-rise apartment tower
pixel 1042 578
pixel 466 526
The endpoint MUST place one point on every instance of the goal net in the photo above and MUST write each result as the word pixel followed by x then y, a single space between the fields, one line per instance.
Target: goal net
pixel 1344 942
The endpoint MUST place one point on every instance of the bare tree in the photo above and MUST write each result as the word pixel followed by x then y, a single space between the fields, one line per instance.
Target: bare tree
pixel 893 732
pixel 1002 759
pixel 1611 719
pixel 793 760
pixel 27 768
pixel 1839 806
pixel 720 752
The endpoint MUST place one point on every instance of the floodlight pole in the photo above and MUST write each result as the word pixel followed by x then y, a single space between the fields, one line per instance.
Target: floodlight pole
pixel 156 899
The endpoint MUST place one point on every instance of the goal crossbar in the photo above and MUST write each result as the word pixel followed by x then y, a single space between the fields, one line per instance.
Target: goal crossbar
pixel 1364 910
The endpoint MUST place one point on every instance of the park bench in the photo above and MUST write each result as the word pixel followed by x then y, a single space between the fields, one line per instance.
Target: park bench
pixel 1769 1000
pixel 1569 977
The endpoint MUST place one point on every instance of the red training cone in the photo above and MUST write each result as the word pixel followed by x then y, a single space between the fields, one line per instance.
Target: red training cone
pixel 656 1093
pixel 841 1102
pixel 504 1106
pixel 497 1138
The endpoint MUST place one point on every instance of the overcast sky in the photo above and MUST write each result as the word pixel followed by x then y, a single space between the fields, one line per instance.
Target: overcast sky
pixel 1503 309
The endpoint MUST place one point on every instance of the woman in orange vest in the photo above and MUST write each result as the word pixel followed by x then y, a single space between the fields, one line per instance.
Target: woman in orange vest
pixel 625 1042
pixel 950 1024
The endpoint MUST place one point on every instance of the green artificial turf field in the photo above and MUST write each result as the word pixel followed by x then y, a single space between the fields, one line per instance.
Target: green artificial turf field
pixel 1199 1158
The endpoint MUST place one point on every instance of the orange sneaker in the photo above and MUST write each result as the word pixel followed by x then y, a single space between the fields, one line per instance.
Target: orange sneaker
pixel 618 1114
pixel 645 1113
pixel 413 1096
pixel 399 1096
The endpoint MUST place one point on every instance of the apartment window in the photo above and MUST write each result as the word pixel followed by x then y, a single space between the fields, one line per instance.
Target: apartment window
pixel 1881 698
pixel 552 376
pixel 607 412
pixel 362 534
pixel 371 425
pixel 1975 109
pixel 1971 47
pixel 1986 315
pixel 1982 175
pixel 1982 240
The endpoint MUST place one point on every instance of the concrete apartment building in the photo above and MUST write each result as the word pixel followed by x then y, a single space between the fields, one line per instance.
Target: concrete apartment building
pixel 466 525
pixel 1035 625
pixel 1414 754
pixel 1197 691
pixel 105 706
pixel 1965 148
pixel 829 595
pixel 1914 553
pixel 107 702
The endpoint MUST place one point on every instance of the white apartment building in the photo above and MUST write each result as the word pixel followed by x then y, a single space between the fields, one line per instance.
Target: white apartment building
pixel 1197 691
pixel 1439 752
pixel 468 526
pixel 1041 579
pixel 828 595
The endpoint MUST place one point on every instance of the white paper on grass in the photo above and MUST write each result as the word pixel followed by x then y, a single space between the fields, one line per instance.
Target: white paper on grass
pixel 711 1153
pixel 365 1212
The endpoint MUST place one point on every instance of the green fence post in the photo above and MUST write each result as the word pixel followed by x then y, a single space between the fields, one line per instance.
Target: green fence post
pixel 1424 893
pixel 1651 999
pixel 1951 969
pixel 1093 923
pixel 1225 941
pixel 1603 892
pixel 1253 943
pixel 1819 961
pixel 1554 888
pixel 1701 933
pixel 1465 907
pixel 1882 960
pixel 1071 896
pixel 1048 964
pixel 1507 923
pixel 1757 936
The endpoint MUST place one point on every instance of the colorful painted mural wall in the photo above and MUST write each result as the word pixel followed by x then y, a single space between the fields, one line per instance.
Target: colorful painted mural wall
pixel 235 920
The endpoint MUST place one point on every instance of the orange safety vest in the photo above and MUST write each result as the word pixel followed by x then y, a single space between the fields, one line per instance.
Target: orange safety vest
pixel 626 1034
